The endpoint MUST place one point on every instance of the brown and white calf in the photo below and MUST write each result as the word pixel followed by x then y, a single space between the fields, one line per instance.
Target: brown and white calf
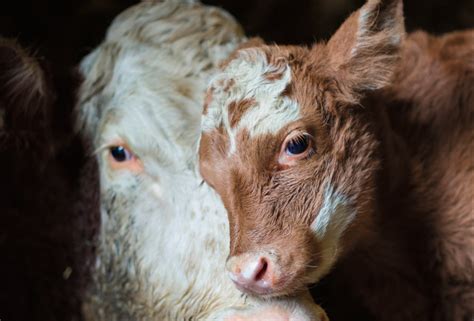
pixel 353 155
pixel 164 236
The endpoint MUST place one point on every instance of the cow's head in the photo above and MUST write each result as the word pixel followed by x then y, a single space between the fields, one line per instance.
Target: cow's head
pixel 293 153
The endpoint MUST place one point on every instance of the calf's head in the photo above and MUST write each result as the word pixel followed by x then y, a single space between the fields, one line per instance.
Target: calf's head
pixel 293 153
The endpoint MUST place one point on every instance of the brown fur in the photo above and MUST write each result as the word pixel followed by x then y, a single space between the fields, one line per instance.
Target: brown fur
pixel 237 109
pixel 402 155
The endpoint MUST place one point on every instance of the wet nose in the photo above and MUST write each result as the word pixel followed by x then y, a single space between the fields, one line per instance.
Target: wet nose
pixel 253 273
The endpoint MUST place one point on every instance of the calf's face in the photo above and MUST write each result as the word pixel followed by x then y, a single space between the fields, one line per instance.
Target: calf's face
pixel 292 153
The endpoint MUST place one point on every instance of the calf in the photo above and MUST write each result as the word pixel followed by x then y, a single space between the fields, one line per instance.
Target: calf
pixel 164 233
pixel 354 155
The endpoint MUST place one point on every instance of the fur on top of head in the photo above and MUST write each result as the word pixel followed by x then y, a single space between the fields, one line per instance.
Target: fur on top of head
pixel 175 40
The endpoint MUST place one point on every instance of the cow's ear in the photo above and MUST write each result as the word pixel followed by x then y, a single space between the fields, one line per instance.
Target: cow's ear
pixel 25 92
pixel 364 52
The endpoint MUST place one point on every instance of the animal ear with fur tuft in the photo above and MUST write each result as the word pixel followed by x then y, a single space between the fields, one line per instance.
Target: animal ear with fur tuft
pixel 365 50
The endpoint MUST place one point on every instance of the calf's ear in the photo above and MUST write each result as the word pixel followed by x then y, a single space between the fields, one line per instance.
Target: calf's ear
pixel 364 51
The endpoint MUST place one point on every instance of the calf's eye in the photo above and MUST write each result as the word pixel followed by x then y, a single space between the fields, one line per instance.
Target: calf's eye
pixel 297 145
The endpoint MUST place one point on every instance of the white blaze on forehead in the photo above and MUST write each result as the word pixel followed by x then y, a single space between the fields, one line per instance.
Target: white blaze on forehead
pixel 251 77
pixel 270 116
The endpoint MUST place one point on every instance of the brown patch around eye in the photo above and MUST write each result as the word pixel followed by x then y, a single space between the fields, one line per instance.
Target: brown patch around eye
pixel 237 109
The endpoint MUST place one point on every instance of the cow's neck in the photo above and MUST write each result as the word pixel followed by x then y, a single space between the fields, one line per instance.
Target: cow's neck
pixel 390 259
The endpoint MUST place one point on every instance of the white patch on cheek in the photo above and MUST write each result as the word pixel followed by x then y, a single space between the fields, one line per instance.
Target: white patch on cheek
pixel 333 219
pixel 335 214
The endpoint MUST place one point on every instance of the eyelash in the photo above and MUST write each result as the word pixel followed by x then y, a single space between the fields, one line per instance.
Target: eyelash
pixel 301 137
pixel 298 146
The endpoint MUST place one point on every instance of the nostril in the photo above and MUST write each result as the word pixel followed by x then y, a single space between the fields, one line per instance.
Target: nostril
pixel 263 269
pixel 252 273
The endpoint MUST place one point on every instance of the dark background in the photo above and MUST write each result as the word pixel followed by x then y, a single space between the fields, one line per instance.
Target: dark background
pixel 64 31
pixel 41 267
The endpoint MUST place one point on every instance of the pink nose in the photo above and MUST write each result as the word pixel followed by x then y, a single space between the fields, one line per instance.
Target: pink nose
pixel 252 273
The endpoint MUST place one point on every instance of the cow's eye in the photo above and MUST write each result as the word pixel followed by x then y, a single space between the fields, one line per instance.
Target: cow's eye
pixel 120 154
pixel 297 145
pixel 121 157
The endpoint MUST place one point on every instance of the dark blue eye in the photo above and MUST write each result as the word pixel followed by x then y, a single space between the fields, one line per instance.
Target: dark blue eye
pixel 298 145
pixel 120 153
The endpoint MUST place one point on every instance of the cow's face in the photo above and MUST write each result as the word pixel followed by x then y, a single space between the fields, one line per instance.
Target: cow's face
pixel 293 158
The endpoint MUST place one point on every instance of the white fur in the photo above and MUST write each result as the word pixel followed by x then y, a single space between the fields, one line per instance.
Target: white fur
pixel 331 222
pixel 272 111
